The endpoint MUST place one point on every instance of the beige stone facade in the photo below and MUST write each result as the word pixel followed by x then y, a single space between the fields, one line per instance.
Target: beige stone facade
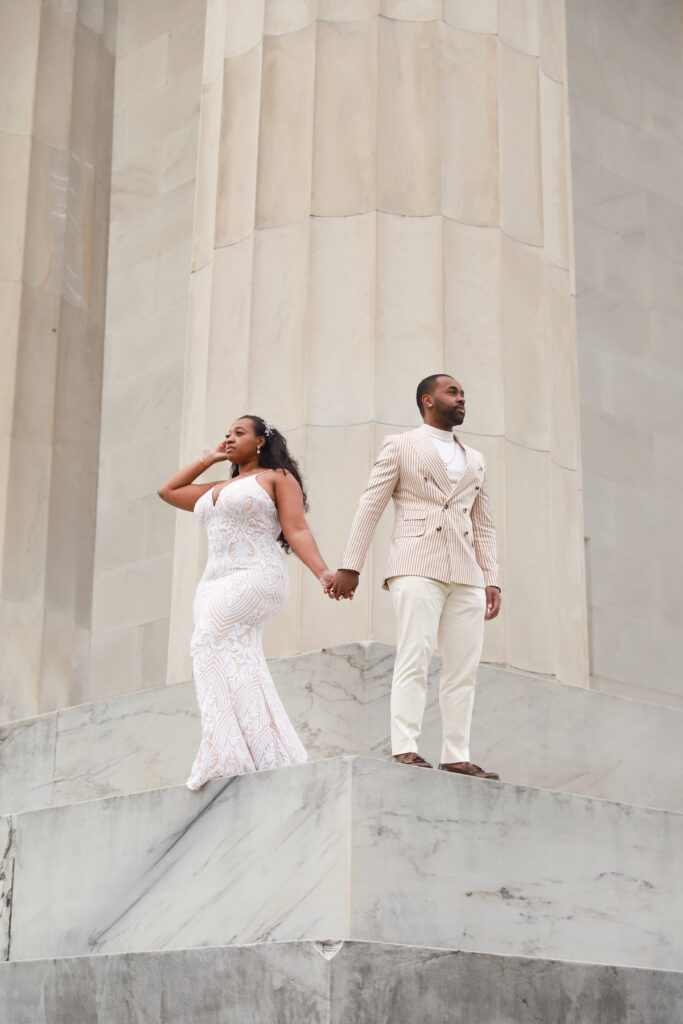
pixel 310 205
pixel 626 106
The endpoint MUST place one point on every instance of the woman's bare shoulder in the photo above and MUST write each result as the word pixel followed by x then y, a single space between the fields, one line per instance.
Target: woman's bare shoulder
pixel 284 482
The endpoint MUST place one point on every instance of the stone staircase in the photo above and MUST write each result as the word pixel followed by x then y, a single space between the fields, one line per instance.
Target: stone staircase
pixel 349 889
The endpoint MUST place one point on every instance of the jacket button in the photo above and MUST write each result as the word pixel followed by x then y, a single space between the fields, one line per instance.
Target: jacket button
pixel 446 506
pixel 438 528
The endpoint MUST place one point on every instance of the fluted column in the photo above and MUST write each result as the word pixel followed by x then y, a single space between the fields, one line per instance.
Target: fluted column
pixel 153 230
pixel 308 206
pixel 57 72
pixel 382 193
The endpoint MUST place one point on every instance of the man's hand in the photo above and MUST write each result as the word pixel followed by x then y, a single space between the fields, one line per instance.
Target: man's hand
pixel 344 584
pixel 492 603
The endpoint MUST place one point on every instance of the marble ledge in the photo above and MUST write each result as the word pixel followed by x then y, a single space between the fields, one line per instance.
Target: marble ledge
pixel 322 849
pixel 534 731
pixel 332 983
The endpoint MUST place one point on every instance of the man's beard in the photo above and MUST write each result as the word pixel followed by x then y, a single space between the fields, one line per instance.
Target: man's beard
pixel 456 416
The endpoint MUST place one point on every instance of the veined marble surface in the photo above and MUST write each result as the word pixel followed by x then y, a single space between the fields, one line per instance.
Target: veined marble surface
pixel 325 695
pixel 534 731
pixel 6 883
pixel 27 761
pixel 248 859
pixel 141 741
pixel 308 983
pixel 507 869
pixel 352 848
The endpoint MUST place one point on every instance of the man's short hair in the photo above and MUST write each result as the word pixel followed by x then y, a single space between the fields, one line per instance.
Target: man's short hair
pixel 426 387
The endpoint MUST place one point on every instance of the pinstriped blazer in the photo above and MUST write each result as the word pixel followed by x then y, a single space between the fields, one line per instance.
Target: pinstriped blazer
pixel 440 531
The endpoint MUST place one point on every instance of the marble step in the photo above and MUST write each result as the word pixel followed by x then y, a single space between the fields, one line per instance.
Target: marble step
pixel 333 983
pixel 352 848
pixel 534 731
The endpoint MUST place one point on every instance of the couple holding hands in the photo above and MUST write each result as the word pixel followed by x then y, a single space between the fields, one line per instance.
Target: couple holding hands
pixel 442 575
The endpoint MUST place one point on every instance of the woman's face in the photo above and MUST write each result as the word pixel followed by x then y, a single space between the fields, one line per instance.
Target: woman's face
pixel 241 442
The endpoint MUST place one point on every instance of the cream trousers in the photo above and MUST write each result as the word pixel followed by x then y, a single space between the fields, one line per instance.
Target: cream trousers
pixel 428 612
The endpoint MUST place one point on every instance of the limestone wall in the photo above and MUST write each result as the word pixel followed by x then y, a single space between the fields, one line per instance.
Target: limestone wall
pixel 56 85
pixel 626 106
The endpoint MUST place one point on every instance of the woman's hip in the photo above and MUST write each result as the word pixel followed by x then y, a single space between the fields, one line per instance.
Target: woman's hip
pixel 249 595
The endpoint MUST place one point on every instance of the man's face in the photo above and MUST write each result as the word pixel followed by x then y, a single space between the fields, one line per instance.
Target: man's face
pixel 448 400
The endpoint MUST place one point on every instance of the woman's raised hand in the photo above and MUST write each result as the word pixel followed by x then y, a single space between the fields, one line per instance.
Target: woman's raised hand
pixel 219 453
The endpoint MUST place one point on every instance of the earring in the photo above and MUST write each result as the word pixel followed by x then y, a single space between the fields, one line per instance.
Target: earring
pixel 258 450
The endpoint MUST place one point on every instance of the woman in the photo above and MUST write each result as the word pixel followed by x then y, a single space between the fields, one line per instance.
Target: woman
pixel 245 728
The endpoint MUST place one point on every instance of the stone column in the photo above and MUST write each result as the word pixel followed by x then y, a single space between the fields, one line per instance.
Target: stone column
pixel 382 193
pixel 313 205
pixel 55 118
pixel 159 55
pixel 627 156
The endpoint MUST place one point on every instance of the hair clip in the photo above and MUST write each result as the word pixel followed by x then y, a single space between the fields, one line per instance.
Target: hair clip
pixel 269 428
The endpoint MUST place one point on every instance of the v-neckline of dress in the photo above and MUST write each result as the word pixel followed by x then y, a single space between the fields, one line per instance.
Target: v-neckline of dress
pixel 252 476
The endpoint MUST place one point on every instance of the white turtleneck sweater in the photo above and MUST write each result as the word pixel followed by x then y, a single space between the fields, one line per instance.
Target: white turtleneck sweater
pixel 450 450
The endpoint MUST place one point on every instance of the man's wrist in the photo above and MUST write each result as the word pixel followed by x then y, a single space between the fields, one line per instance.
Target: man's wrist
pixel 354 571
pixel 494 586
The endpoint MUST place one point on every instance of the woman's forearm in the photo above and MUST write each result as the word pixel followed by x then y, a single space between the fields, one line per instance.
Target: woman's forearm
pixel 304 547
pixel 187 474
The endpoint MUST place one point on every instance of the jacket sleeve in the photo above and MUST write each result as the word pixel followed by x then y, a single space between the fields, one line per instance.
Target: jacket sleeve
pixel 373 501
pixel 484 536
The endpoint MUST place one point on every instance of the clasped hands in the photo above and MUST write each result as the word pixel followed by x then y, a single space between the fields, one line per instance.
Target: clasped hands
pixel 340 584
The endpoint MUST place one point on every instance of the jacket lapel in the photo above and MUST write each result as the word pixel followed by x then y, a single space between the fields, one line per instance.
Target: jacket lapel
pixel 431 459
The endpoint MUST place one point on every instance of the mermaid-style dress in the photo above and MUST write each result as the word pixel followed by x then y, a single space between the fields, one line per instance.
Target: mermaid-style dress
pixel 245 727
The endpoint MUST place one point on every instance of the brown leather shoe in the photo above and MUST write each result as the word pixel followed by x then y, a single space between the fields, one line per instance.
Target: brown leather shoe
pixel 412 758
pixel 467 768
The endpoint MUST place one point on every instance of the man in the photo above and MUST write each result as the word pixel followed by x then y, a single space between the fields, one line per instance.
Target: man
pixel 442 571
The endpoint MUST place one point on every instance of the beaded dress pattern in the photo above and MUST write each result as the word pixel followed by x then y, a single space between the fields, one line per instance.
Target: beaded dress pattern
pixel 245 727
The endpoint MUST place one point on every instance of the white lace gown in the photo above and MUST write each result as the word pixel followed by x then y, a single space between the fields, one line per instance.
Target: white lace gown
pixel 245 727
